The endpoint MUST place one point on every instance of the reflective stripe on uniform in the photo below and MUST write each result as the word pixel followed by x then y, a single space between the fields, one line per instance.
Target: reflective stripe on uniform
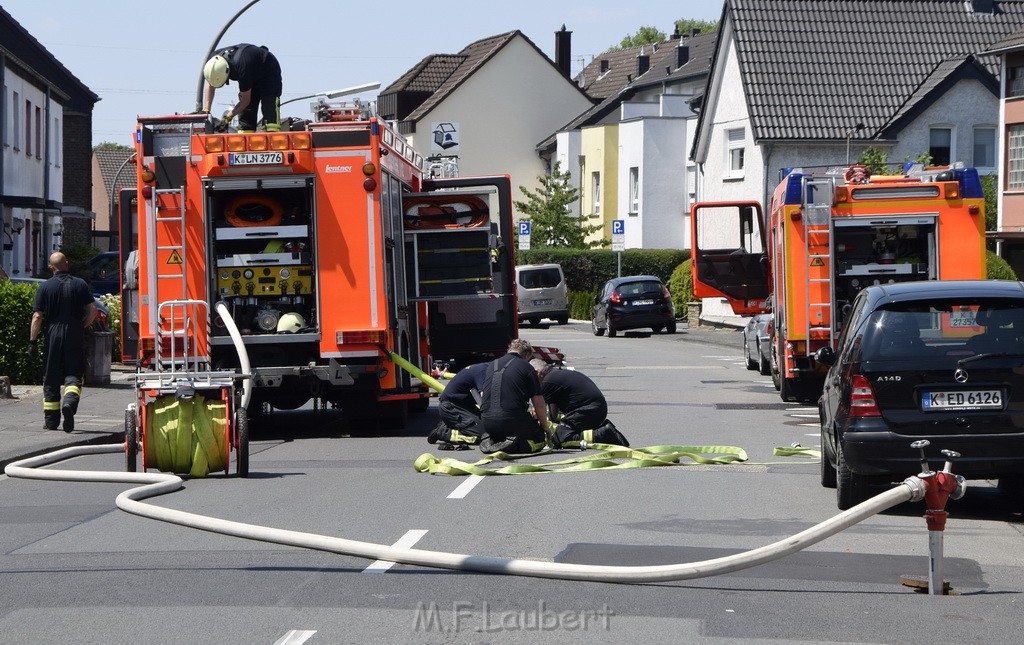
pixel 72 389
pixel 51 405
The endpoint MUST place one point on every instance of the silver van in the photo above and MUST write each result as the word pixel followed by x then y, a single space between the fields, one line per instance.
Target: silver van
pixel 542 293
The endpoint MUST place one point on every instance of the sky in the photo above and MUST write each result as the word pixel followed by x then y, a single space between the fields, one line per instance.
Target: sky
pixel 146 59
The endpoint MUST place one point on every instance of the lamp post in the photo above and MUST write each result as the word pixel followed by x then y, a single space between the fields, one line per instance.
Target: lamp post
pixel 335 94
pixel 213 46
pixel 849 133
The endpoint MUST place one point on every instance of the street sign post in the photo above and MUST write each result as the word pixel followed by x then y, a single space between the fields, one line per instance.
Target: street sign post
pixel 524 235
pixel 619 241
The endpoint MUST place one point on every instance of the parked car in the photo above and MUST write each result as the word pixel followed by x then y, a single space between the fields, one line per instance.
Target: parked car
pixel 939 360
pixel 103 272
pixel 541 293
pixel 757 342
pixel 633 302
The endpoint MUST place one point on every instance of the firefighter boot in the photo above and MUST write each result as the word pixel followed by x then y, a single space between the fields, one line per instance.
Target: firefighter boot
pixel 608 433
pixel 69 406
pixel 51 415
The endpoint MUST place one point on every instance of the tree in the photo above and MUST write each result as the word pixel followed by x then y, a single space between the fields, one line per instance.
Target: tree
pixel 109 145
pixel 548 210
pixel 685 25
pixel 643 36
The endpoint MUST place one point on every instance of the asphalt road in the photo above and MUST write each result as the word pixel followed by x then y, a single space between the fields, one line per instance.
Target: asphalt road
pixel 75 569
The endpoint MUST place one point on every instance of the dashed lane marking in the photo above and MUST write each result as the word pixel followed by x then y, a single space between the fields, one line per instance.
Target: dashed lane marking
pixel 295 637
pixel 407 541
pixel 465 487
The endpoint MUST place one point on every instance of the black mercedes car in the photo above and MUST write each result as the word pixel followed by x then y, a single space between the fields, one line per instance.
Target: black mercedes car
pixel 938 360
pixel 633 302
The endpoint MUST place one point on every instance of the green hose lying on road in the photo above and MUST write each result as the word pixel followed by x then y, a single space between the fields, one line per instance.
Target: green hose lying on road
pixel 609 458
pixel 186 437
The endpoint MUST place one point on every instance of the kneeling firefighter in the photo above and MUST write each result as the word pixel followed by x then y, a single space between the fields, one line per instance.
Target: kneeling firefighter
pixel 510 386
pixel 577 405
pixel 460 426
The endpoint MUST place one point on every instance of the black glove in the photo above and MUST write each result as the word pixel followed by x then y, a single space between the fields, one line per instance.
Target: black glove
pixel 32 349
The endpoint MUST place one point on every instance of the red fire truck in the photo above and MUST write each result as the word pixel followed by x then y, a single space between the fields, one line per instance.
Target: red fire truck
pixel 329 249
pixel 830 234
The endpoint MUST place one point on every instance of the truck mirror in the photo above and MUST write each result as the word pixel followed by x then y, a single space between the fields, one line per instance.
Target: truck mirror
pixel 825 356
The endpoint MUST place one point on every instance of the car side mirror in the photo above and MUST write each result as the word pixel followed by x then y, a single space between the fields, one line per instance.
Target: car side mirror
pixel 825 356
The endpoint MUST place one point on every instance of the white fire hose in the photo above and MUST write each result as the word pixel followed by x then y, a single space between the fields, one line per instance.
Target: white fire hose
pixel 912 489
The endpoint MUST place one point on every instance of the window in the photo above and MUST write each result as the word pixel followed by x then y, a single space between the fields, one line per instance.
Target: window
pixel 15 120
pixel 595 184
pixel 1015 81
pixel 734 144
pixel 1015 157
pixel 39 132
pixel 28 127
pixel 984 147
pixel 56 142
pixel 634 190
pixel 940 145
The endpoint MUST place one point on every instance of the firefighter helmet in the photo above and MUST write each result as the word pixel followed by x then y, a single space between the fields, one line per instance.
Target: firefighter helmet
pixel 291 322
pixel 216 71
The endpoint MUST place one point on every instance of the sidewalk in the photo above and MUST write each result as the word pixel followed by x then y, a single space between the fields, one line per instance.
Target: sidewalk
pixel 100 418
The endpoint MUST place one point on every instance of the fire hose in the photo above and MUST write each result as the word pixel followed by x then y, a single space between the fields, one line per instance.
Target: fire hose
pixel 153 484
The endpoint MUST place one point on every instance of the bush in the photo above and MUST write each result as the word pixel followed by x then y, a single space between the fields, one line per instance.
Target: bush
pixel 15 320
pixel 581 304
pixel 587 270
pixel 996 268
pixel 680 285
pixel 113 303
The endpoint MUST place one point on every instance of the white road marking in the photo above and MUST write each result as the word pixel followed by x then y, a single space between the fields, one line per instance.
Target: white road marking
pixel 804 416
pixel 405 542
pixel 465 487
pixel 664 367
pixel 295 637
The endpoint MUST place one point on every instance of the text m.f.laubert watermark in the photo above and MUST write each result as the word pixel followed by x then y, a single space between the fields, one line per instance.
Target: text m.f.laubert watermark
pixel 483 618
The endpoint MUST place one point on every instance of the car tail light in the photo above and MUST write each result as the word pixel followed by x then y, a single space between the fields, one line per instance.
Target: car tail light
pixel 615 298
pixel 862 398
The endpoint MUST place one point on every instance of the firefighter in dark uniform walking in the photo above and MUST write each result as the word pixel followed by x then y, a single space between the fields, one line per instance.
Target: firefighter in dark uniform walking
pixel 66 307
pixel 258 75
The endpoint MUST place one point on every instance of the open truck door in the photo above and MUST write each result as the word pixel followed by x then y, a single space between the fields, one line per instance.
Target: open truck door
pixel 729 254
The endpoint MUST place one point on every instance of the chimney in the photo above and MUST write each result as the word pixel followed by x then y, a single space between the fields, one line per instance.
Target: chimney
pixel 604 65
pixel 694 31
pixel 563 51
pixel 643 62
pixel 682 55
pixel 675 35
pixel 981 6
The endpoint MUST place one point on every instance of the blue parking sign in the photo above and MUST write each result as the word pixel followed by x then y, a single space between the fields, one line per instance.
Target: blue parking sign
pixel 618 227
pixel 524 227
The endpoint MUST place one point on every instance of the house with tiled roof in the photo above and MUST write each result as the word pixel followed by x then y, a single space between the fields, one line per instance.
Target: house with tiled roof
pixel 1009 232
pixel 813 83
pixel 111 171
pixel 799 83
pixel 627 154
pixel 45 133
pixel 488 105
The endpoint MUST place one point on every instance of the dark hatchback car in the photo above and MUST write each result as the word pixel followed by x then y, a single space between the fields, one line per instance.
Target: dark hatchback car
pixel 104 273
pixel 633 302
pixel 942 361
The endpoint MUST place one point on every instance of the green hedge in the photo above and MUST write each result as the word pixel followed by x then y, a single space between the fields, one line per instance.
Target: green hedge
pixel 680 285
pixel 15 320
pixel 996 268
pixel 587 270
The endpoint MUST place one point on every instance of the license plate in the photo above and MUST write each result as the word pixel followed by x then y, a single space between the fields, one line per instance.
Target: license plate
pixel 962 319
pixel 643 302
pixel 962 400
pixel 255 158
pixel 541 303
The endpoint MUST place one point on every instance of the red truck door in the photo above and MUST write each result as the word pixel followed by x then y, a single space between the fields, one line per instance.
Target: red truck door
pixel 729 254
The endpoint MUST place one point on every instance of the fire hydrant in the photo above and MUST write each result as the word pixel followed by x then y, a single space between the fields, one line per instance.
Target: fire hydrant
pixel 940 487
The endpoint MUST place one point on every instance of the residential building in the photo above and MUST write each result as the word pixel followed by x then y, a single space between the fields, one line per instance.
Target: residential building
pixel 46 135
pixel 1009 231
pixel 813 83
pixel 487 106
pixel 111 171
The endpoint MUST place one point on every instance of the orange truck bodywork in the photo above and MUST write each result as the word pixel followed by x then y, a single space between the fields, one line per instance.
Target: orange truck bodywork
pixel 826 237
pixel 328 225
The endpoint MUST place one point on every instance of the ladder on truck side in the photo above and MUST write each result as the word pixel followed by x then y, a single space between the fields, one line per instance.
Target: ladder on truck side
pixel 818 194
pixel 180 325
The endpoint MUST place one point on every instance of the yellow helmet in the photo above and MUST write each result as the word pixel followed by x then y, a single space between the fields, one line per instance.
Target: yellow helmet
pixel 291 322
pixel 216 71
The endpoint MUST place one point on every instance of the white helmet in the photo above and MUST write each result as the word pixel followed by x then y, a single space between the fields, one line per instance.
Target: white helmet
pixel 291 322
pixel 216 71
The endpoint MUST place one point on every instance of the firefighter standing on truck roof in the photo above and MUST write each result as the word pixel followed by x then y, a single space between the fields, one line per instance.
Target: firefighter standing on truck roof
pixel 68 308
pixel 259 84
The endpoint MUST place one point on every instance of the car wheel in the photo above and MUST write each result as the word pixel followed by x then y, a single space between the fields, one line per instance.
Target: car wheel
pixel 612 332
pixel 535 321
pixel 598 331
pixel 1012 490
pixel 786 389
pixel 763 367
pixel 563 320
pixel 851 488
pixel 670 328
pixel 751 363
pixel 828 471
